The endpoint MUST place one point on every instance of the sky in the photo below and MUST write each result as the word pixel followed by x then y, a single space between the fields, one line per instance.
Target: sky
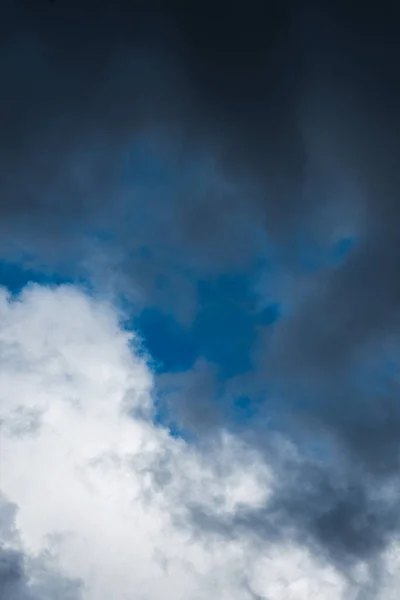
pixel 199 300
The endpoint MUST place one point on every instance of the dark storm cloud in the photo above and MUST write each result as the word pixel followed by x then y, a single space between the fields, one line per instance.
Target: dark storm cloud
pixel 331 355
pixel 298 105
pixel 81 80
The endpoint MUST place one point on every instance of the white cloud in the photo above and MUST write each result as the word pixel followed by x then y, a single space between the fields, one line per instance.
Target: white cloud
pixel 101 491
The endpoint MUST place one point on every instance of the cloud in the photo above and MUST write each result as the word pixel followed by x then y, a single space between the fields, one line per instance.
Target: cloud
pixel 27 577
pixel 268 145
pixel 147 149
pixel 105 493
pixel 101 80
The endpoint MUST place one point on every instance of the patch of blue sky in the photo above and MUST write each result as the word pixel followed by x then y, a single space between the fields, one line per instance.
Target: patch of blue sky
pixel 168 341
pixel 227 322
pixel 15 276
pixel 223 330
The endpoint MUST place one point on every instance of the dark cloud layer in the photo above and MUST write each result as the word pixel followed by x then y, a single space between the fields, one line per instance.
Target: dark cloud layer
pixel 298 106
pixel 82 80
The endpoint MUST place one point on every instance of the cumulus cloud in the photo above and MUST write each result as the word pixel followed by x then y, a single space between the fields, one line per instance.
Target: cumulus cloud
pixel 106 494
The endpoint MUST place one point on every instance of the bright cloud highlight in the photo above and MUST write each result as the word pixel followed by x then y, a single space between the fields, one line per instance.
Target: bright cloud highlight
pixel 97 497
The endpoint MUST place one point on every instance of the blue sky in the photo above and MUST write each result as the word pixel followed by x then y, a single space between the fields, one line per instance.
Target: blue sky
pixel 232 311
pixel 199 301
pixel 232 315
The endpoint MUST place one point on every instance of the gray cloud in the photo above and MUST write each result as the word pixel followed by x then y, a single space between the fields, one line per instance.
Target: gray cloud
pixel 25 577
pixel 291 104
pixel 96 78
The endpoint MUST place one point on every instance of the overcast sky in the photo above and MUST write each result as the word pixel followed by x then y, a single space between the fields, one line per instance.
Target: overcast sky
pixel 199 300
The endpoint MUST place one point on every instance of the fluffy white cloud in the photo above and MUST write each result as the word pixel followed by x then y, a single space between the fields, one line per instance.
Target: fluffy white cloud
pixel 102 493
